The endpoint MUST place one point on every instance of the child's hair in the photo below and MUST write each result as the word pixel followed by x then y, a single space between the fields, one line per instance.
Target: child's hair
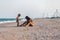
pixel 19 14
pixel 28 18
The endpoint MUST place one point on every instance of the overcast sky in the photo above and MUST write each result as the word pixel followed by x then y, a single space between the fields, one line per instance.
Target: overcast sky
pixel 32 8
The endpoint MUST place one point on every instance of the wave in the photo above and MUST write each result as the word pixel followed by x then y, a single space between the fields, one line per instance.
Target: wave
pixel 6 22
pixel 9 21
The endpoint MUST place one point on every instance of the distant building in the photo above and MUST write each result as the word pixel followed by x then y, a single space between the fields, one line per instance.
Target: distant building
pixel 56 14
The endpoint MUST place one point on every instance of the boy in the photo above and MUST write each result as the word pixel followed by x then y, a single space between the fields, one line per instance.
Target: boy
pixel 17 19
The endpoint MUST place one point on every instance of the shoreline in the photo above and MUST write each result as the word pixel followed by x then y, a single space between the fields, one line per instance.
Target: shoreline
pixel 35 20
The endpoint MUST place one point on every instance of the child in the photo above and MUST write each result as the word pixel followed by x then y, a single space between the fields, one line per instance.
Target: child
pixel 17 19
pixel 28 22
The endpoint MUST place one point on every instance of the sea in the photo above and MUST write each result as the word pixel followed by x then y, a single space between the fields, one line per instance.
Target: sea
pixel 8 20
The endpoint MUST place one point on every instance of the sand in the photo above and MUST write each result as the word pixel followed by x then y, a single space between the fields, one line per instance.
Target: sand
pixel 44 29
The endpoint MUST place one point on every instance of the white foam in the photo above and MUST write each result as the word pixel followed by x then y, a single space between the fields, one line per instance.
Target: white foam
pixel 7 21
pixel 11 21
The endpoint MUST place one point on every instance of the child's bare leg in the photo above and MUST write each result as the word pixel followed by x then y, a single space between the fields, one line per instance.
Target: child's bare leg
pixel 17 23
pixel 30 24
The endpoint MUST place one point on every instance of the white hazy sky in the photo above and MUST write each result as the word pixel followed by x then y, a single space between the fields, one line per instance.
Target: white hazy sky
pixel 32 8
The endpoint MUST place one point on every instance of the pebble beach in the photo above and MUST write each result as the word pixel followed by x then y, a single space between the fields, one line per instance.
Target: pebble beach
pixel 44 29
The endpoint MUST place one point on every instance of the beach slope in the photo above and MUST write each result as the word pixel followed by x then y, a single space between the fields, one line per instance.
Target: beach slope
pixel 44 29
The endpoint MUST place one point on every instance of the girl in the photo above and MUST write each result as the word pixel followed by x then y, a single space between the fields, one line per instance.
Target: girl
pixel 28 22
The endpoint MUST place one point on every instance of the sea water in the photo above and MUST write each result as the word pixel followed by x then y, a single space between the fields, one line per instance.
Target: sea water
pixel 6 20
